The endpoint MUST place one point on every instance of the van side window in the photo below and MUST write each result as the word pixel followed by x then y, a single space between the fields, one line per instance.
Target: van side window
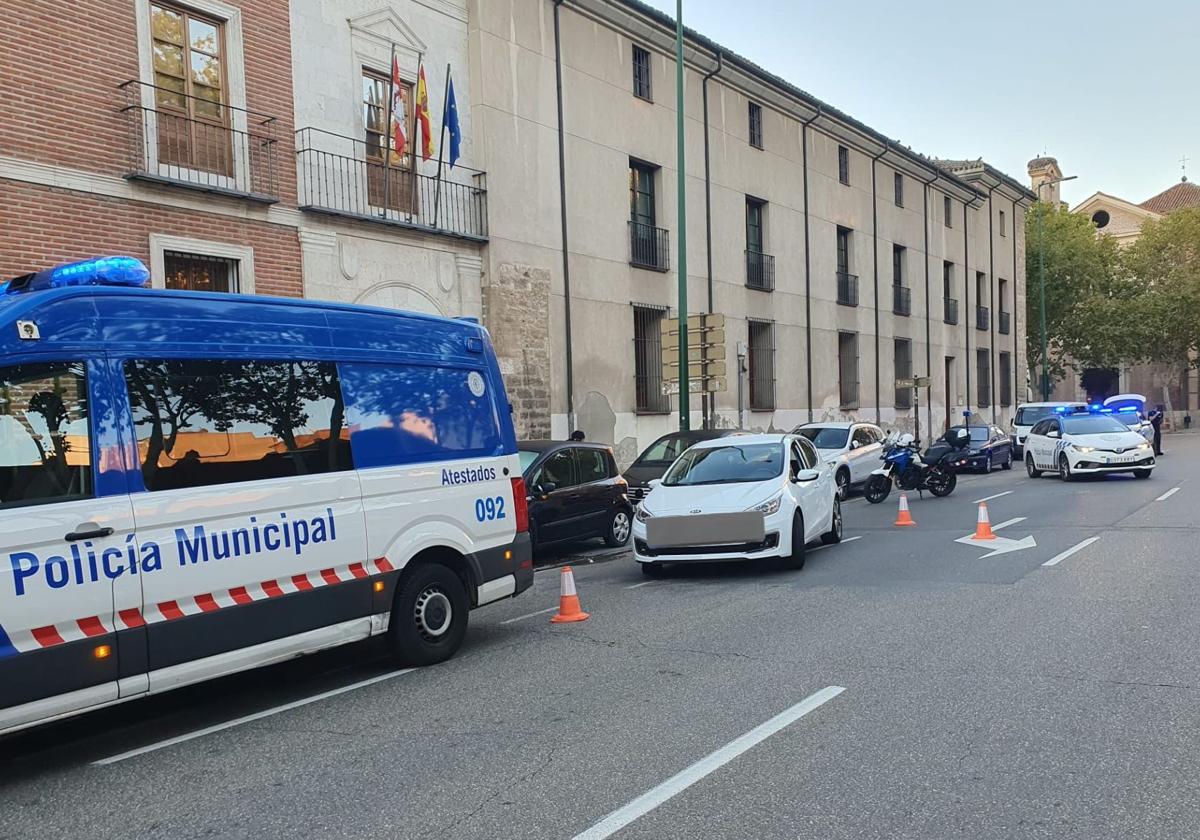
pixel 204 422
pixel 45 451
pixel 406 414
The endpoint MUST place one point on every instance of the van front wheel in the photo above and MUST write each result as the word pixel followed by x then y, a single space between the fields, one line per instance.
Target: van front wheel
pixel 429 617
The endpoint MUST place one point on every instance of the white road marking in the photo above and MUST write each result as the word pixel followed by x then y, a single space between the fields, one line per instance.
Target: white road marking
pixel 844 540
pixel 989 498
pixel 1168 494
pixel 643 583
pixel 1058 558
pixel 1008 522
pixel 529 615
pixel 681 781
pixel 287 707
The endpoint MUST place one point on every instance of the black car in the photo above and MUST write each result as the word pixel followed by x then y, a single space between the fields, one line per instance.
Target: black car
pixel 661 454
pixel 575 492
pixel 990 447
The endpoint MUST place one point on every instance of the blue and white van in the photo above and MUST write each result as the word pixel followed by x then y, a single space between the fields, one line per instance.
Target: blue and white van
pixel 194 484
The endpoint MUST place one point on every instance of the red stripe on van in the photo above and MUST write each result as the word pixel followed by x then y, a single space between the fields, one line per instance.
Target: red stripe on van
pixel 272 589
pixel 302 582
pixel 358 570
pixel 207 603
pixel 383 565
pixel 132 618
pixel 330 576
pixel 240 595
pixel 91 626
pixel 170 610
pixel 47 636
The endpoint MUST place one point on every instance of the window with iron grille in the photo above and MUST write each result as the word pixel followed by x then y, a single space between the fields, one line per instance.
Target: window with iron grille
pixel 899 253
pixel 1006 384
pixel 199 273
pixel 1003 224
pixel 901 294
pixel 648 360
pixel 641 73
pixel 756 126
pixel 848 369
pixel 983 367
pixel 946 211
pixel 899 182
pixel 903 356
pixel 843 165
pixel 761 360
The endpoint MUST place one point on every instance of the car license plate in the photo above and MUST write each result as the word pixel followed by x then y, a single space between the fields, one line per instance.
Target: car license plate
pixel 705 529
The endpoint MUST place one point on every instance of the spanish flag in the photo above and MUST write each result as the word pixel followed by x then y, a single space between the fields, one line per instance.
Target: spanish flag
pixel 424 132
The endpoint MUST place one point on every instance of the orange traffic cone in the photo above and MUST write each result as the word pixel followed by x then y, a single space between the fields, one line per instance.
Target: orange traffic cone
pixel 904 518
pixel 568 601
pixel 983 528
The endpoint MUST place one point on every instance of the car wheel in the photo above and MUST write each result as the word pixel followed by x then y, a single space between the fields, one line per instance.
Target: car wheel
pixel 795 560
pixel 1141 473
pixel 1064 468
pixel 429 616
pixel 1033 471
pixel 991 464
pixel 618 529
pixel 1007 465
pixel 834 535
pixel 653 570
pixel 843 484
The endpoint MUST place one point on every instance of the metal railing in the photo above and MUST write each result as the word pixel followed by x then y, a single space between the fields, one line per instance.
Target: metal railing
pixel 173 138
pixel 342 176
pixel 847 289
pixel 1005 324
pixel 901 300
pixel 950 310
pixel 760 271
pixel 982 317
pixel 848 394
pixel 649 247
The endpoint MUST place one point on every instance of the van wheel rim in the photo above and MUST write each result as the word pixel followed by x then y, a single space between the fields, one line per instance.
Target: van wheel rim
pixel 433 613
pixel 620 527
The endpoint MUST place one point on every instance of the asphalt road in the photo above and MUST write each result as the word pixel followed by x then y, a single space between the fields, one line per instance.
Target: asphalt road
pixel 982 697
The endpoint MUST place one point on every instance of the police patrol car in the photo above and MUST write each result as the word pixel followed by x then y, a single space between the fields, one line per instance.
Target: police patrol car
pixel 193 484
pixel 1076 442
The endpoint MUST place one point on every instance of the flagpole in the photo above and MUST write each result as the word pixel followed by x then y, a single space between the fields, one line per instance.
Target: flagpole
pixel 437 195
pixel 388 138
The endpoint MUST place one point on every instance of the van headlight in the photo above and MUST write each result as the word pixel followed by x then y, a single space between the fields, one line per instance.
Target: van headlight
pixel 641 514
pixel 769 507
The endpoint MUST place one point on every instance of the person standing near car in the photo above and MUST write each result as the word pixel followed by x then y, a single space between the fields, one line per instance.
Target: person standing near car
pixel 1156 420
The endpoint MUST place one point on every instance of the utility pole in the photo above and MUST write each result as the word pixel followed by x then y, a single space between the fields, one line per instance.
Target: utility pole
pixel 685 382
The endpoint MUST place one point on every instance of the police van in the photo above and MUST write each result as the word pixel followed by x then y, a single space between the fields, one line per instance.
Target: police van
pixel 193 484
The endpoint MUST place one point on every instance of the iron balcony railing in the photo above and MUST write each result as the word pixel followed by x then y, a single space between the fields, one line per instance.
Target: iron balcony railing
pixel 760 271
pixel 188 141
pixel 343 176
pixel 950 310
pixel 1005 324
pixel 848 394
pixel 904 397
pixel 847 289
pixel 901 300
pixel 649 247
pixel 982 317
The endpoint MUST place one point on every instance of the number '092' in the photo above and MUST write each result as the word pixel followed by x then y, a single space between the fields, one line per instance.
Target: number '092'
pixel 489 509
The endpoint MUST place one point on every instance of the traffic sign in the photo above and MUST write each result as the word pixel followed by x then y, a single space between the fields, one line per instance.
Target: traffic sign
pixel 906 383
pixel 699 370
pixel 710 321
pixel 696 338
pixel 695 386
pixel 921 381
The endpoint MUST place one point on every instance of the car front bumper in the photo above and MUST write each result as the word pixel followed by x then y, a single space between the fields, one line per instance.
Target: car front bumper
pixel 1088 464
pixel 776 542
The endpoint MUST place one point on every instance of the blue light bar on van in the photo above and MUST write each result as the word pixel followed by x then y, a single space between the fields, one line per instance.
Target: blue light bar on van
pixel 103 271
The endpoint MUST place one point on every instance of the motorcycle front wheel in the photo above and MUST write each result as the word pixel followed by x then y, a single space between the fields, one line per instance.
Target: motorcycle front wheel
pixel 877 488
pixel 941 483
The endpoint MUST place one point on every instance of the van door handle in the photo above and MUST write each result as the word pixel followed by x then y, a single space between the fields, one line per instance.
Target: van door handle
pixel 88 531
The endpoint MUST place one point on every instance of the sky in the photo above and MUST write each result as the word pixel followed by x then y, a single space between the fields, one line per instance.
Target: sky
pixel 1109 89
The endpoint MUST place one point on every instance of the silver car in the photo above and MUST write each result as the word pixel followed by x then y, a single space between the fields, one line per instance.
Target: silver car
pixel 853 449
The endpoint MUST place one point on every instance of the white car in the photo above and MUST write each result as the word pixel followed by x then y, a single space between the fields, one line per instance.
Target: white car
pixel 852 448
pixel 1028 414
pixel 738 498
pixel 1086 444
pixel 1130 409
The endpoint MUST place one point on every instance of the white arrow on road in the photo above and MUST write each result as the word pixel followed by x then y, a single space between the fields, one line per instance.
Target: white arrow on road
pixel 1000 545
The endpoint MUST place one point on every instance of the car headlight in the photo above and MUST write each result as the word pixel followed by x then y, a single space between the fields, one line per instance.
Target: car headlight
pixel 770 506
pixel 641 514
pixel 1143 445
pixel 1084 449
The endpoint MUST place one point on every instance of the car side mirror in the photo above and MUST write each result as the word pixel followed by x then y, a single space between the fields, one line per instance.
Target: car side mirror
pixel 1052 434
pixel 654 482
pixel 804 476
pixel 547 488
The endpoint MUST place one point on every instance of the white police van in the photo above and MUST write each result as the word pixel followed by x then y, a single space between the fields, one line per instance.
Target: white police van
pixel 194 484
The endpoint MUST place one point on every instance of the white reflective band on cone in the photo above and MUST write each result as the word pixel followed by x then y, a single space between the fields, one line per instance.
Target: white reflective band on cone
pixel 568 582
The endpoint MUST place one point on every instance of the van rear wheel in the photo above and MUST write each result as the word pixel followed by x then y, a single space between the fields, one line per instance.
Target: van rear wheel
pixel 429 616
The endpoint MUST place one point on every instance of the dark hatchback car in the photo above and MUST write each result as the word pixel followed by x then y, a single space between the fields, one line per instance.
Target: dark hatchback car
pixel 653 463
pixel 575 492
pixel 990 447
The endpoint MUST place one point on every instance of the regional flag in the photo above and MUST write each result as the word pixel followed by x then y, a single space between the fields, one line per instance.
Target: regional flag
pixel 422 113
pixel 399 141
pixel 452 125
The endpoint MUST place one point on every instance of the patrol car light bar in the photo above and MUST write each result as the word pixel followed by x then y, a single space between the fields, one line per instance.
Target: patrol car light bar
pixel 103 271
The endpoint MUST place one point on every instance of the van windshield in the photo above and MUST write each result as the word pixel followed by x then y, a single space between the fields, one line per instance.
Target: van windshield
pixel 1027 415
pixel 726 465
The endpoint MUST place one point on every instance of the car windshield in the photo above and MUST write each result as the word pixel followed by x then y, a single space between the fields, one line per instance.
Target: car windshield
pixel 664 450
pixel 979 434
pixel 1094 425
pixel 526 457
pixel 726 465
pixel 1029 414
pixel 824 437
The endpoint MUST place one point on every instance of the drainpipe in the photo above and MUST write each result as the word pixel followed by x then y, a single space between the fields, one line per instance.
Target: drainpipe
pixel 967 307
pixel 928 329
pixel 562 200
pixel 807 273
pixel 875 275
pixel 992 303
pixel 709 399
pixel 1016 367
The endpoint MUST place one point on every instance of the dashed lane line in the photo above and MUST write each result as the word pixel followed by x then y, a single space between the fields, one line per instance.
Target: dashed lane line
pixel 529 615
pixel 1168 494
pixel 1058 558
pixel 989 498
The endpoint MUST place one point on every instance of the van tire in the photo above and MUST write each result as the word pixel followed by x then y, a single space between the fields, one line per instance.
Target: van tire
pixel 429 616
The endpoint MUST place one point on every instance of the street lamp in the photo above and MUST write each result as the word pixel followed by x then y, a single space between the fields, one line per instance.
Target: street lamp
pixel 1042 279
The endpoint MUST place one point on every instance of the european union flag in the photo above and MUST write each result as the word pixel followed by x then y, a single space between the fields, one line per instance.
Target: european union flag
pixel 453 126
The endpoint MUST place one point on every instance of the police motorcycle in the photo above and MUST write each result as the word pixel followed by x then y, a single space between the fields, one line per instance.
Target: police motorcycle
pixel 908 469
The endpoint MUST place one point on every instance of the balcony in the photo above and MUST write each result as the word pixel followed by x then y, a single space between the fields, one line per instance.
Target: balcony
pixel 649 247
pixel 341 176
pixel 950 310
pixel 901 300
pixel 1005 324
pixel 982 318
pixel 847 289
pixel 198 144
pixel 760 271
